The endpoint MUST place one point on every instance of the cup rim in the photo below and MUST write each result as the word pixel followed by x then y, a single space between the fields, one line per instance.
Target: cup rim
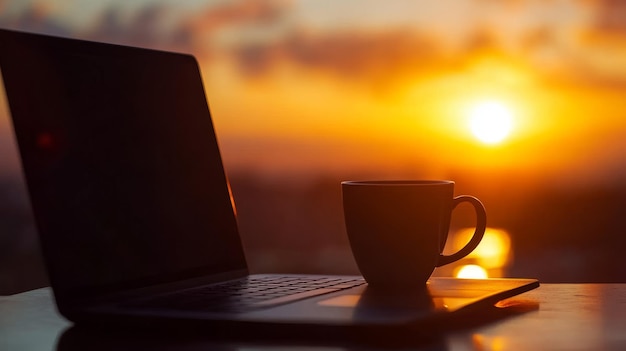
pixel 406 182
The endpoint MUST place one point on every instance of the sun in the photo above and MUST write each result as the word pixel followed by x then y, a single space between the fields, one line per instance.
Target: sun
pixel 490 121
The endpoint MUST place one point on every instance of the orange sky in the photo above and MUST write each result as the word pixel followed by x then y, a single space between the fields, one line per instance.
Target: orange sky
pixel 305 87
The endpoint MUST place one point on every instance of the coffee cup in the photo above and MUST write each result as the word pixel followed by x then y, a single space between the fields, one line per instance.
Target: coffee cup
pixel 397 228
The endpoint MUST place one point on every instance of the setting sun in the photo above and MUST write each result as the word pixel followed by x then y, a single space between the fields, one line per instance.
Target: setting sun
pixel 490 121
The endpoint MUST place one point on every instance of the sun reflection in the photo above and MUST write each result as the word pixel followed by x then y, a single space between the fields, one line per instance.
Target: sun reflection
pixel 472 271
pixel 494 249
pixel 489 258
pixel 490 121
pixel 487 342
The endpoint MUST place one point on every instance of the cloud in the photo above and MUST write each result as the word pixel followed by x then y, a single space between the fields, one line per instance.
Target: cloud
pixel 611 17
pixel 144 28
pixel 202 28
pixel 379 58
pixel 238 12
pixel 151 25
pixel 34 18
pixel 551 55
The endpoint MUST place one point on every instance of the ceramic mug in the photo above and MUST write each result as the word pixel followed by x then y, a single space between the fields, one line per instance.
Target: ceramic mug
pixel 397 228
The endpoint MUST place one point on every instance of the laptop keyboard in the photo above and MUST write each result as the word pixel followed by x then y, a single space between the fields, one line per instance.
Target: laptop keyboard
pixel 250 293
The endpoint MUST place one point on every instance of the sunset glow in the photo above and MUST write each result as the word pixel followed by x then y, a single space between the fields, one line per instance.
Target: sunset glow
pixel 384 90
pixel 490 121
pixel 472 271
pixel 494 250
pixel 521 103
pixel 490 258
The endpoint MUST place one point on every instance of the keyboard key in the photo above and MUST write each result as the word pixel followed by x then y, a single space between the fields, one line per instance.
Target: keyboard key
pixel 250 293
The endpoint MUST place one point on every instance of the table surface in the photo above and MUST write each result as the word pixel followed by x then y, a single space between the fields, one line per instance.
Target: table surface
pixel 564 317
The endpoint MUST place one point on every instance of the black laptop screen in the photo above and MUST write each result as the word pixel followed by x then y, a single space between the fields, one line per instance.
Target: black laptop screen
pixel 121 161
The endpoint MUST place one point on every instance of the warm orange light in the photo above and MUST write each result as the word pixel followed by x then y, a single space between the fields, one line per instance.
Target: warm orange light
pixel 494 250
pixel 490 121
pixel 488 342
pixel 472 271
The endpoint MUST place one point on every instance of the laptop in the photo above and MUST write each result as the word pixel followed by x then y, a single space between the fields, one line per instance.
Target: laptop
pixel 134 212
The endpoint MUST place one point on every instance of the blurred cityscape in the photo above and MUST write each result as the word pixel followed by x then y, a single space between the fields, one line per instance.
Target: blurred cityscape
pixel 519 102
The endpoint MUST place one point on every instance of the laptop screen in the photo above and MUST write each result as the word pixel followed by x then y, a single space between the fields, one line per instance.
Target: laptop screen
pixel 121 161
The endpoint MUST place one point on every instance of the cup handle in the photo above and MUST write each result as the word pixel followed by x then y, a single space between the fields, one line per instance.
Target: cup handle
pixel 481 225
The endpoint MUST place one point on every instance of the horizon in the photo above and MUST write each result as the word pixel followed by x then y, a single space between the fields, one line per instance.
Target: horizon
pixel 388 87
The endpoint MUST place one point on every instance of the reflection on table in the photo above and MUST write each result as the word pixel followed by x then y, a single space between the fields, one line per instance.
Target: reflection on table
pixel 552 317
